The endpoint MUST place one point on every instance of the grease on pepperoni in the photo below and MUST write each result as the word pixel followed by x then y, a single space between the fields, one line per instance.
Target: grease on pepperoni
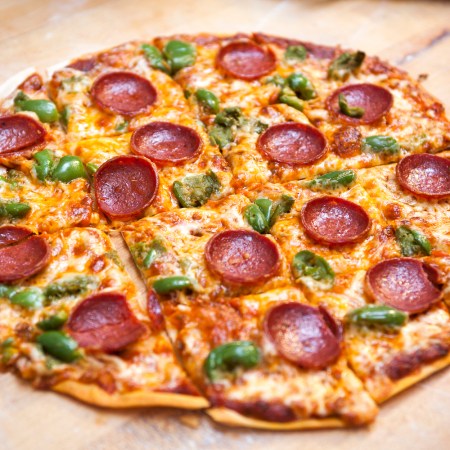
pixel 20 133
pixel 22 254
pixel 403 283
pixel 335 221
pixel 425 175
pixel 375 100
pixel 104 322
pixel 246 60
pixel 304 335
pixel 166 143
pixel 292 143
pixel 125 186
pixel 123 93
pixel 242 257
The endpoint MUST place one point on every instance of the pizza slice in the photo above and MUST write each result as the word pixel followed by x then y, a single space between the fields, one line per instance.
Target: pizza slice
pixel 72 321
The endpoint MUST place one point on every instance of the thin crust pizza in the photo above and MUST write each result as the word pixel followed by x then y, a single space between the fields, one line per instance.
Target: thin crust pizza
pixel 285 204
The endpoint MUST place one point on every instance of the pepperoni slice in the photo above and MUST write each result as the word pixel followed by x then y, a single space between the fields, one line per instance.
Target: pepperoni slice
pixel 104 322
pixel 335 221
pixel 20 133
pixel 123 93
pixel 375 100
pixel 246 60
pixel 304 335
pixel 292 143
pixel 154 311
pixel 242 257
pixel 83 65
pixel 22 254
pixel 166 143
pixel 403 283
pixel 425 175
pixel 125 186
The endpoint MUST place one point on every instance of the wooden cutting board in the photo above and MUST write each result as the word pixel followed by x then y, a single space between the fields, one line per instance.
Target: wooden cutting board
pixel 412 34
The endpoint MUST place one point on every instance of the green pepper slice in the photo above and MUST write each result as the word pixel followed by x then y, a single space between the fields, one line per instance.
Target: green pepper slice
pixel 230 116
pixel 53 322
pixel 302 86
pixel 7 291
pixel 377 315
pixel 226 358
pixel 265 205
pixel 288 97
pixel 155 58
pixel 91 168
pixel 295 53
pixel 208 100
pixel 65 116
pixel 155 251
pixel 179 54
pixel 412 242
pixel 351 111
pixel 194 191
pixel 15 210
pixel 45 163
pixel 282 206
pixel 380 144
pixel 256 219
pixel 59 345
pixel 44 109
pixel 170 284
pixel 344 65
pixel 221 136
pixel 333 180
pixel 69 168
pixel 30 298
pixel 73 286
pixel 277 80
pixel 307 264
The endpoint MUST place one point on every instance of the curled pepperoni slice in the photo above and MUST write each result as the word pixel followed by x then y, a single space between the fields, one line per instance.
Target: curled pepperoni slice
pixel 403 283
pixel 375 100
pixel 335 221
pixel 425 175
pixel 22 254
pixel 123 93
pixel 306 336
pixel 246 60
pixel 166 143
pixel 242 257
pixel 20 133
pixel 292 143
pixel 125 186
pixel 104 322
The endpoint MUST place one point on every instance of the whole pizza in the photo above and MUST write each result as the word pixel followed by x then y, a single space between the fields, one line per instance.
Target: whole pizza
pixel 287 205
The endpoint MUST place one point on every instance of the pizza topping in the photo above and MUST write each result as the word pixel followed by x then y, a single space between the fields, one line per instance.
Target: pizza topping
pixel 179 54
pixel 155 250
pixel 345 65
pixel 246 60
pixel 377 315
pixel 166 143
pixel 332 180
pixel 292 143
pixel 360 103
pixel 194 191
pixel 155 58
pixel 412 242
pixel 307 266
pixel 208 100
pixel 104 322
pixel 333 220
pixel 69 168
pixel 385 145
pixel 346 141
pixel 53 322
pixel 304 335
pixel 242 257
pixel 403 283
pixel 44 109
pixel 301 86
pixel 21 254
pixel 83 65
pixel 14 210
pixel 45 163
pixel 225 125
pixel 173 283
pixel 20 133
pixel 59 345
pixel 70 287
pixel 288 97
pixel 125 186
pixel 263 213
pixel 30 298
pixel 226 358
pixel 425 175
pixel 123 93
pixel 295 53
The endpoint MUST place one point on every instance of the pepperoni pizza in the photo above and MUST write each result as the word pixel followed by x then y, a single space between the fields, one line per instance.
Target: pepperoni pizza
pixel 286 205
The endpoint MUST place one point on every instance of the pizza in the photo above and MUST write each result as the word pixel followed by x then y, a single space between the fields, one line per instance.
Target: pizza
pixel 253 226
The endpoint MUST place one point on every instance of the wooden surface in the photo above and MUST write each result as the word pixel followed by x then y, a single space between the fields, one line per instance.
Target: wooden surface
pixel 412 34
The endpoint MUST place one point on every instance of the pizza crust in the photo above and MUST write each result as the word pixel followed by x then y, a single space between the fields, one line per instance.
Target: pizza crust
pixel 93 394
pixel 229 417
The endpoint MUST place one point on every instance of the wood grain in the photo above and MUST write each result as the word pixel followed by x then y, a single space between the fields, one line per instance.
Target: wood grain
pixel 413 34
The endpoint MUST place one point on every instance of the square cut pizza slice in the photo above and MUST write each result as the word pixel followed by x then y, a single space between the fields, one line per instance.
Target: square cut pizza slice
pixel 211 251
pixel 71 320
pixel 267 360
